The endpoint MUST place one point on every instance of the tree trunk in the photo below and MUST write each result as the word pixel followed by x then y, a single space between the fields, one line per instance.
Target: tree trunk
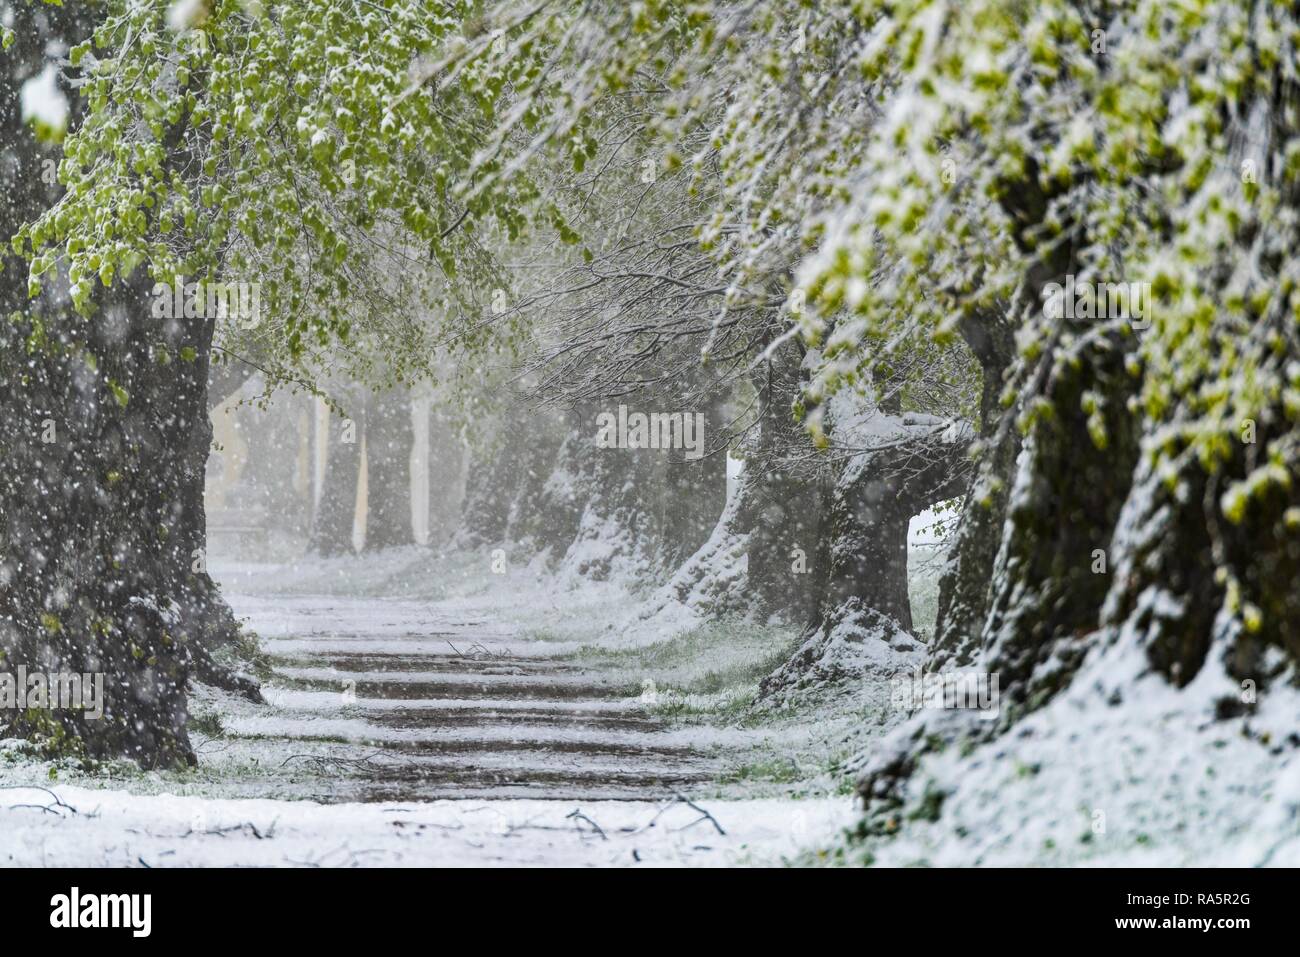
pixel 487 500
pixel 1054 568
pixel 913 463
pixel 206 622
pixel 761 558
pixel 389 438
pixel 597 503
pixel 782 498
pixel 964 591
pixel 694 494
pixel 1166 595
pixel 104 436
pixel 331 531
pixel 446 469
pixel 508 498
pixel 871 511
pixel 964 585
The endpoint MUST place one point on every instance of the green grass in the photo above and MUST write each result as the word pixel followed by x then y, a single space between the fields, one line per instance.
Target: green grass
pixel 245 653
pixel 543 634
pixel 208 724
pixel 771 771
pixel 724 659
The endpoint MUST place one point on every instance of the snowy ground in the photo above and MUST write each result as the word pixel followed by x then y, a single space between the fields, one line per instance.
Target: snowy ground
pixel 117 829
pixel 1120 769
pixel 421 711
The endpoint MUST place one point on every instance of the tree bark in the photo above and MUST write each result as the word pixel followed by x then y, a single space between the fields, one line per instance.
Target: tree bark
pixel 1166 594
pixel 964 591
pixel 694 494
pixel 501 470
pixel 761 559
pixel 1053 571
pixel 964 586
pixel 596 505
pixel 331 531
pixel 872 505
pixel 916 463
pixel 446 465
pixel 389 438
pixel 782 496
pixel 104 435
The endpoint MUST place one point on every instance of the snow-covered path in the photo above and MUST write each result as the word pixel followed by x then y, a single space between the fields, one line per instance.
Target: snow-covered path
pixel 404 702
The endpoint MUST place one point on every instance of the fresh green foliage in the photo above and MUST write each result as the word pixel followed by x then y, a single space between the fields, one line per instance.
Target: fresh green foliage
pixel 278 144
pixel 887 171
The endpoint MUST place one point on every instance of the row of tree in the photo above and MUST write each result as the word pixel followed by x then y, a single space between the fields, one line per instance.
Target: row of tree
pixel 837 223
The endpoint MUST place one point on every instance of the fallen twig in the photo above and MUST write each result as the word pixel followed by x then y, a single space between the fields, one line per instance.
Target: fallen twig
pixel 704 815
pixel 576 815
pixel 321 761
pixel 58 802
pixel 232 828
pixel 681 799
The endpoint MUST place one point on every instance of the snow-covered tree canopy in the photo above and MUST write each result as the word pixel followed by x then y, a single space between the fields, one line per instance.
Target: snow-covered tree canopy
pixel 882 172
pixel 249 144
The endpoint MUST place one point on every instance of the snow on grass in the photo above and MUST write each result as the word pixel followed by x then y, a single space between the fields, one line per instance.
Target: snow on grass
pixel 1170 784
pixel 357 731
pixel 1122 768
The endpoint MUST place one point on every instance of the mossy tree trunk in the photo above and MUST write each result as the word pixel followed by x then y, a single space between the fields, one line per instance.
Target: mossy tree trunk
pixel 964 585
pixel 782 497
pixel 1194 588
pixel 1054 568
